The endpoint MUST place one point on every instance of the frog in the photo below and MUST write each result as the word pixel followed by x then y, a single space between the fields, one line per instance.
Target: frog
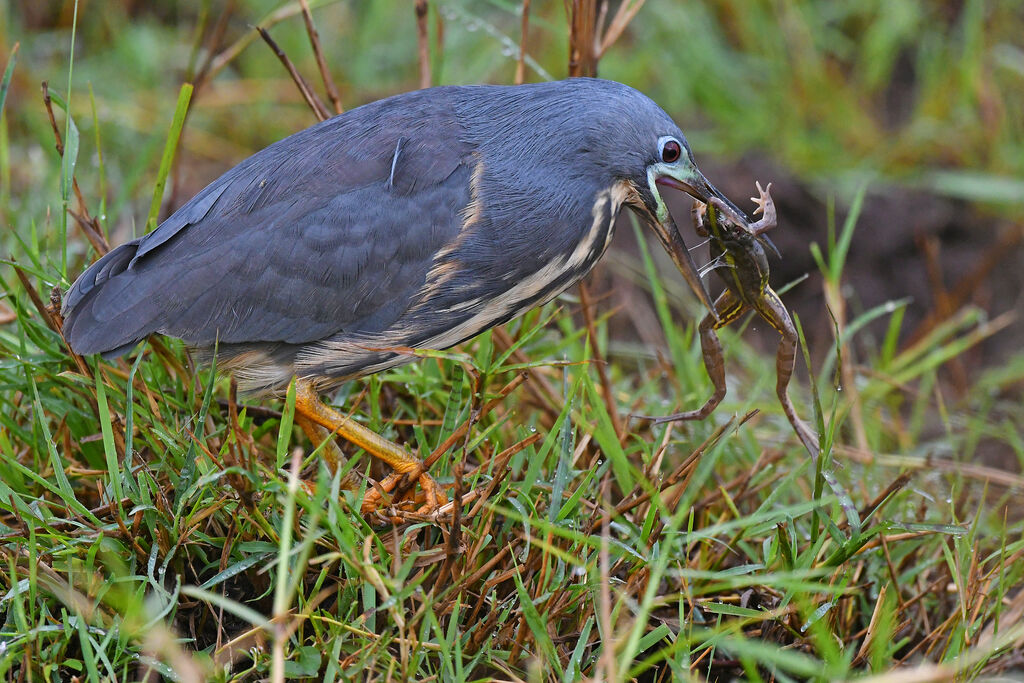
pixel 738 251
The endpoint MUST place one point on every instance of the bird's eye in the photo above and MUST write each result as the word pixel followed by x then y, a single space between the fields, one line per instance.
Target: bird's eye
pixel 671 152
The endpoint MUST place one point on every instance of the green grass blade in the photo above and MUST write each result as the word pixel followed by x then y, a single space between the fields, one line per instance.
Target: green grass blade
pixel 109 451
pixel 538 626
pixel 5 82
pixel 170 148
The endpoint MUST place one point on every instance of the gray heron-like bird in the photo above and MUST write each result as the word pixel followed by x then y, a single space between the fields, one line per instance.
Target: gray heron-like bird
pixel 419 220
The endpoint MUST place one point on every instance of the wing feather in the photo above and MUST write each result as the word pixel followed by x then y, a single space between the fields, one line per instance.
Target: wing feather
pixel 311 237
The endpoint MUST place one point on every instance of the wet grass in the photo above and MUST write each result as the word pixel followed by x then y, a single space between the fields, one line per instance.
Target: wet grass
pixel 153 521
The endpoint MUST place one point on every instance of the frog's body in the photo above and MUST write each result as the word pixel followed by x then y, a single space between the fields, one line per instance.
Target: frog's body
pixel 744 263
pixel 738 251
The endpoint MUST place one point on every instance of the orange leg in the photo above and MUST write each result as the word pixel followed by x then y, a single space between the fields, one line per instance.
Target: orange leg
pixel 330 452
pixel 312 415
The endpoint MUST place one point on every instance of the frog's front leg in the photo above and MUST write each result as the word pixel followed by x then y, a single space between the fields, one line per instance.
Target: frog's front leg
pixel 765 207
pixel 699 213
pixel 770 307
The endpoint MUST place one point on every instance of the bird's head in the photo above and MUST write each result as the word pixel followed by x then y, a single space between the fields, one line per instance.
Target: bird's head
pixel 647 152
pixel 551 141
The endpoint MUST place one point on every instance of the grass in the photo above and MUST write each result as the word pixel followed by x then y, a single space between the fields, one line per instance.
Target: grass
pixel 151 522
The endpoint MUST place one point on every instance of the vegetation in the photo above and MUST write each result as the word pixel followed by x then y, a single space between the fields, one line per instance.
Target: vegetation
pixel 152 523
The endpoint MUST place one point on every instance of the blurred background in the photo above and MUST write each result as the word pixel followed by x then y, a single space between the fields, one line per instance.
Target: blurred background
pixel 918 103
pixel 892 132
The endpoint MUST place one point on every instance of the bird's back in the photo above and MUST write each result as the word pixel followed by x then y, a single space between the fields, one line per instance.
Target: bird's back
pixel 284 246
pixel 397 223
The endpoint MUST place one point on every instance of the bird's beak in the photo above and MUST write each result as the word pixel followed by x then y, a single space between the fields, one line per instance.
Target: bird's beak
pixel 673 243
pixel 689 179
pixel 697 186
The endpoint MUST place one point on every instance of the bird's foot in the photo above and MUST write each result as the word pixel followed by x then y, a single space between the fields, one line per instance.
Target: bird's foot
pixel 397 491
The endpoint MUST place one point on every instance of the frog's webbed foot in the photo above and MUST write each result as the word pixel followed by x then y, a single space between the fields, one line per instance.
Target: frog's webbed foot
pixel 765 207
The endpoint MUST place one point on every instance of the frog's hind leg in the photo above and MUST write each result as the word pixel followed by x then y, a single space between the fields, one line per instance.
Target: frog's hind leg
pixel 771 308
pixel 729 307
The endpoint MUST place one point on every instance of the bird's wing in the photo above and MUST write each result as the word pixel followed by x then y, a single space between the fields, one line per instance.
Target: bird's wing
pixel 330 230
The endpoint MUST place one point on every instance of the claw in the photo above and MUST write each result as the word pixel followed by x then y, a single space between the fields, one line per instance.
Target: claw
pixel 401 484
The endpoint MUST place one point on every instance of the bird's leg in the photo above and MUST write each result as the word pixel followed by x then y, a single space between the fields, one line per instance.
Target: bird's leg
pixel 771 308
pixel 729 307
pixel 331 452
pixel 311 411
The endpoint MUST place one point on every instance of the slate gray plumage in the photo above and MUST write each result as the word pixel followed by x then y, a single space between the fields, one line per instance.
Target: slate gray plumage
pixel 418 220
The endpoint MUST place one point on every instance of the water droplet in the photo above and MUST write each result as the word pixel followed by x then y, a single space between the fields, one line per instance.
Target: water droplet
pixel 472 26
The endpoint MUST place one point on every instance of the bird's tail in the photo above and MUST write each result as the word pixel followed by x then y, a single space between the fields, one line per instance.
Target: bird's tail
pixel 95 320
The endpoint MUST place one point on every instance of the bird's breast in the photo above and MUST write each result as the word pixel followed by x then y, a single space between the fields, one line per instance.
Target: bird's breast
pixel 568 267
pixel 495 304
pixel 602 228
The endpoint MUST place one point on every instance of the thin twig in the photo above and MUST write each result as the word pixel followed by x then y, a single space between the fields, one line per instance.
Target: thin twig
pixel 544 394
pixel 198 78
pixel 874 505
pixel 627 10
pixel 201 76
pixel 423 38
pixel 968 285
pixel 524 31
pixel 321 62
pixel 90 226
pixel 461 430
pixel 91 230
pixel 51 314
pixel 312 99
pixel 227 55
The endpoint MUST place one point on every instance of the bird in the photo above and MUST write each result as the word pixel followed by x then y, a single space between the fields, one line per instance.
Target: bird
pixel 419 220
